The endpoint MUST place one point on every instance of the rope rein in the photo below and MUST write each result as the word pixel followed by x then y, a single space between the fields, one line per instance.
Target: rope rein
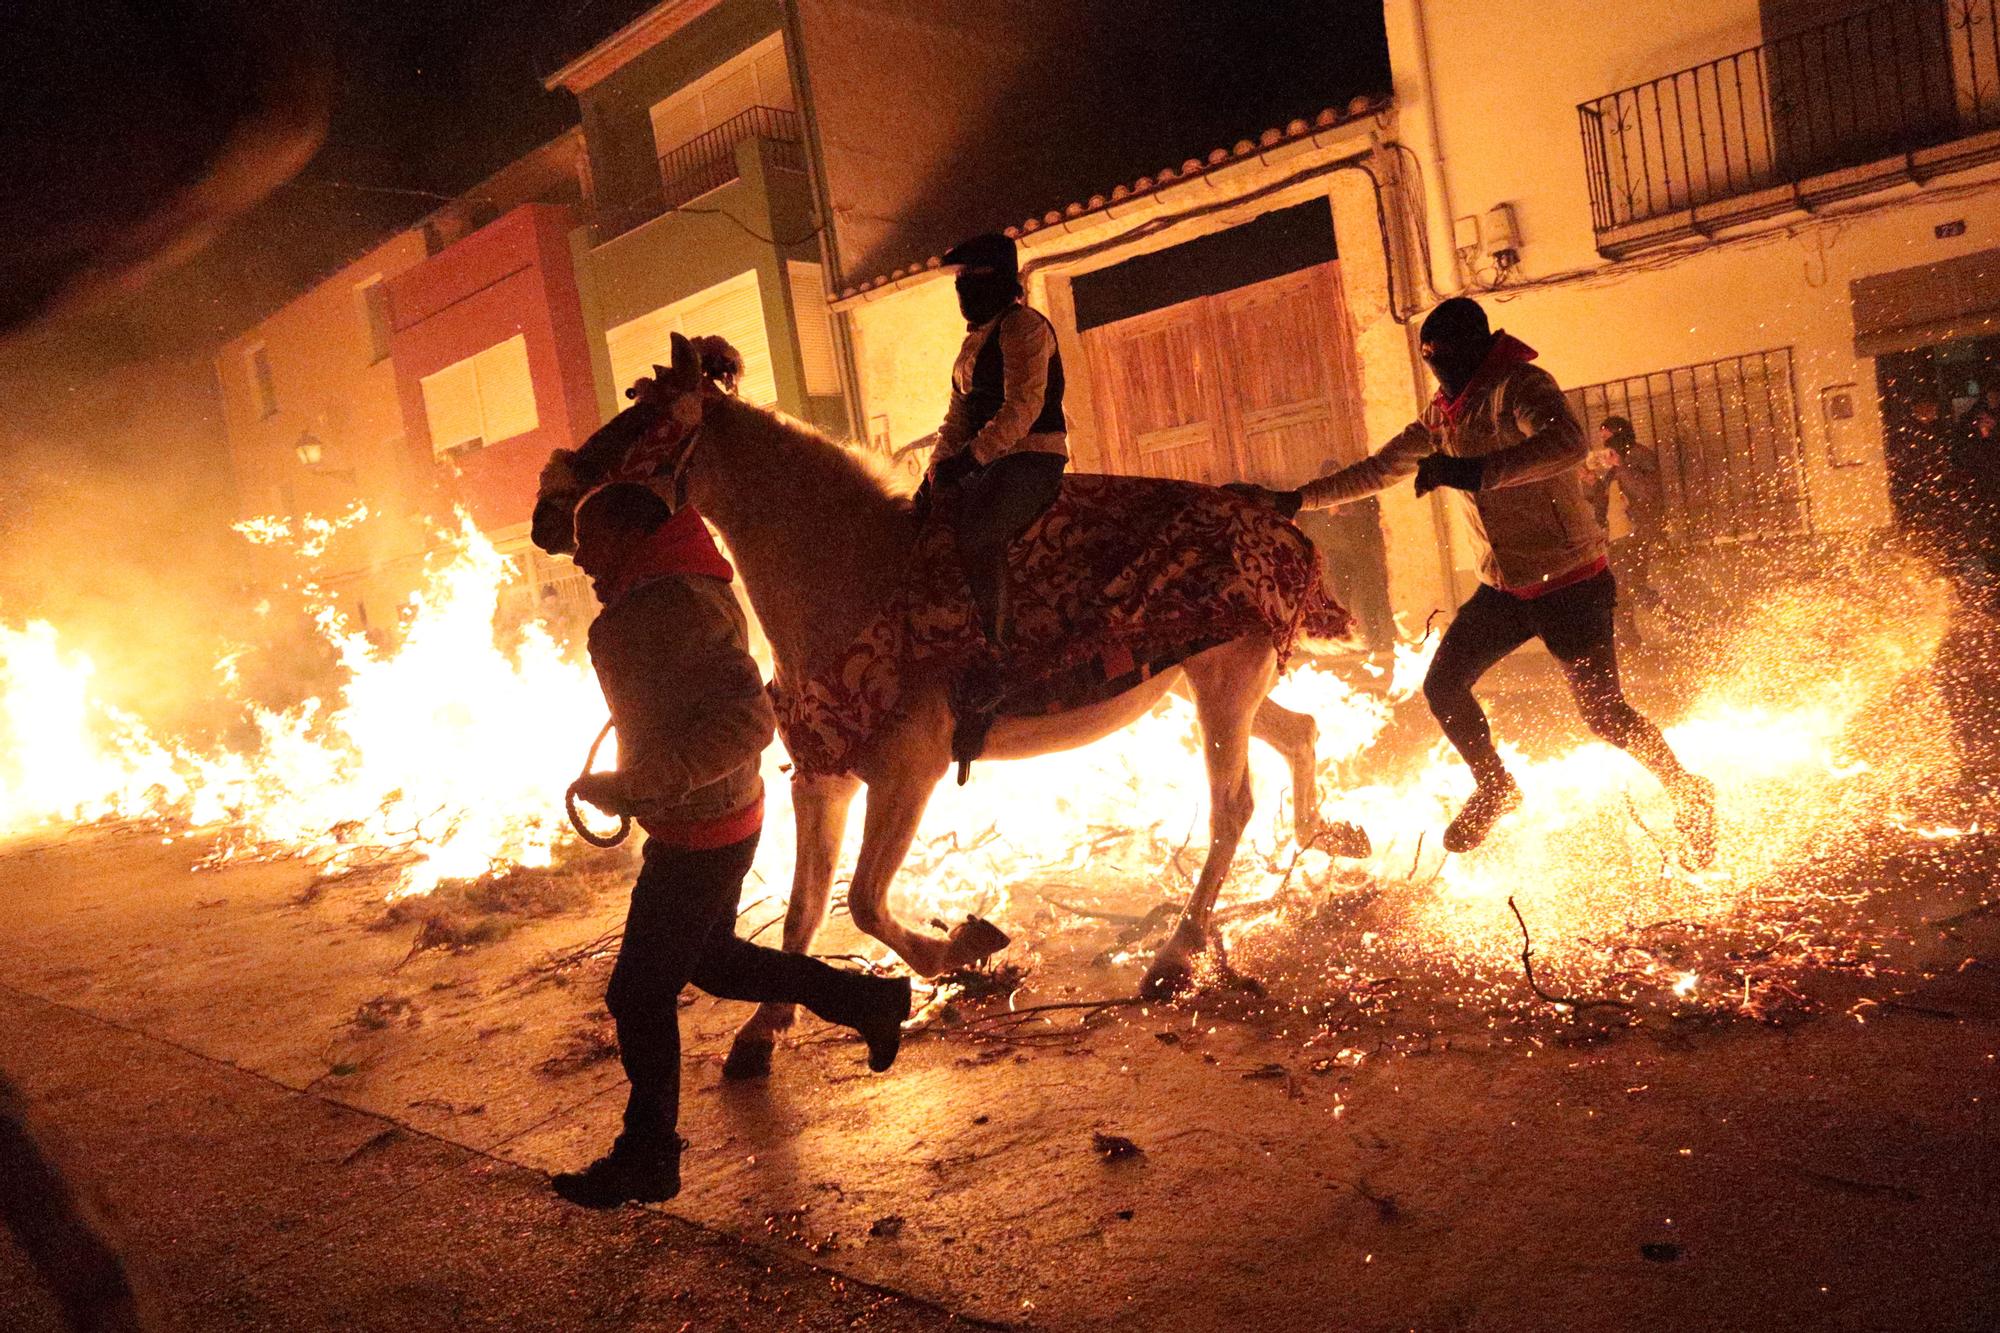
pixel 570 800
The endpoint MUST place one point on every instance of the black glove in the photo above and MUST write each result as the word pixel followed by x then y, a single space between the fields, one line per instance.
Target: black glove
pixel 1287 503
pixel 1442 469
pixel 954 469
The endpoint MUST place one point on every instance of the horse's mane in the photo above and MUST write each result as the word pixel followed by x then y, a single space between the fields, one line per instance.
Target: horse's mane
pixel 815 466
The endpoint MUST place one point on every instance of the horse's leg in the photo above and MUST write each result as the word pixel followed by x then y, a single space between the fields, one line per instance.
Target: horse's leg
pixel 1229 683
pixel 895 807
pixel 819 805
pixel 1296 737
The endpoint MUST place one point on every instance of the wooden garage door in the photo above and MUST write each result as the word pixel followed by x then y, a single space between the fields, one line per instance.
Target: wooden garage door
pixel 1255 384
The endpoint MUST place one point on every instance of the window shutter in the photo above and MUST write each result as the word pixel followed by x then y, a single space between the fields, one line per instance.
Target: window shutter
pixel 732 309
pixel 677 121
pixel 1932 303
pixel 774 77
pixel 735 310
pixel 636 346
pixel 451 406
pixel 506 391
pixel 815 326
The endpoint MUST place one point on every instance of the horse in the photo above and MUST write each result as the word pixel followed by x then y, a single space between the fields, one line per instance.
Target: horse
pixel 822 544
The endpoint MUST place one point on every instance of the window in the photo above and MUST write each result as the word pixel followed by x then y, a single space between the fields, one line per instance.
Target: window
pixel 372 300
pixel 733 309
pixel 1727 437
pixel 815 325
pixel 482 399
pixel 262 385
pixel 757 77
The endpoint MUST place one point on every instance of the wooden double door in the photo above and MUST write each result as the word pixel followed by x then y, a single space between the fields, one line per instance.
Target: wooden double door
pixel 1258 383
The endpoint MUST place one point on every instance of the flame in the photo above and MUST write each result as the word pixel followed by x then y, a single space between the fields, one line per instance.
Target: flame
pixel 446 757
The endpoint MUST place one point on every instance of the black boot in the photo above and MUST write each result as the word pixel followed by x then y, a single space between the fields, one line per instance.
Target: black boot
pixel 882 1012
pixel 630 1173
pixel 1492 800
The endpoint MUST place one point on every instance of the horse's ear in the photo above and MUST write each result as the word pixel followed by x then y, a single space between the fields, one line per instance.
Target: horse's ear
pixel 684 373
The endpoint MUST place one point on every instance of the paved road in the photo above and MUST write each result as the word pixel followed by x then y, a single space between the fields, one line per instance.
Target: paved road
pixel 257 1206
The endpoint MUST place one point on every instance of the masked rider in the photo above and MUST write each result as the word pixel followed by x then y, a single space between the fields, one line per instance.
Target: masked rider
pixel 1003 445
pixel 1501 435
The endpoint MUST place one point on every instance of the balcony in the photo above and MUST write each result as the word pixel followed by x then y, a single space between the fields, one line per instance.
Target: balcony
pixel 1901 92
pixel 707 163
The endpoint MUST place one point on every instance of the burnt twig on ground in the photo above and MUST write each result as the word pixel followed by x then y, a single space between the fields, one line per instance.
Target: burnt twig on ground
pixel 1576 1005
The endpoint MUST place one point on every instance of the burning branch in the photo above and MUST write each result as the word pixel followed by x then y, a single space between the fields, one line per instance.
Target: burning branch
pixel 1570 1002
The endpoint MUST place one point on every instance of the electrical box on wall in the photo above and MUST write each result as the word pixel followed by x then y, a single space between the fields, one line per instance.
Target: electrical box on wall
pixel 1501 236
pixel 1840 412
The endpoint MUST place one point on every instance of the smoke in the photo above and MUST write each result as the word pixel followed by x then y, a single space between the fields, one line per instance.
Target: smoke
pixel 114 525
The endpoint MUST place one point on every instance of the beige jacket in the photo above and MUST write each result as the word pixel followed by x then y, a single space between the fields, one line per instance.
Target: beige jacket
pixel 1021 411
pixel 1532 513
pixel 689 703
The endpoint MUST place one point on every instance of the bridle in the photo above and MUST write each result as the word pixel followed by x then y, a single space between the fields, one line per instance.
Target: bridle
pixel 664 452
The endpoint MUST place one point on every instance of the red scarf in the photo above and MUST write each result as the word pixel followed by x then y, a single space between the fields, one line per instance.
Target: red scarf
pixel 680 546
pixel 1506 352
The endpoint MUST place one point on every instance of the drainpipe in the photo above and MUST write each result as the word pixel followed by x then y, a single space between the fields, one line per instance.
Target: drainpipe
pixel 1443 217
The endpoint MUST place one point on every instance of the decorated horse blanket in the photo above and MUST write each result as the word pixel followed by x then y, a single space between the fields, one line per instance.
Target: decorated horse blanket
pixel 1122 578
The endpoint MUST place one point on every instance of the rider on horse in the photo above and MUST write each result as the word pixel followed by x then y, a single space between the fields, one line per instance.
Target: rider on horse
pixel 1003 445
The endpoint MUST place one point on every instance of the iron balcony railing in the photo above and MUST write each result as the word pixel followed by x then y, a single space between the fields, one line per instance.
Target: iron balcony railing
pixel 708 161
pixel 1785 124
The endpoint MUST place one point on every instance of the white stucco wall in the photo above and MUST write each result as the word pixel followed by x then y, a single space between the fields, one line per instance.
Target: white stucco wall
pixel 1509 75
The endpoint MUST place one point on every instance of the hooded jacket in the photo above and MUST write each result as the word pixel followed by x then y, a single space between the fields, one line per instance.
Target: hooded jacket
pixel 671 651
pixel 1532 513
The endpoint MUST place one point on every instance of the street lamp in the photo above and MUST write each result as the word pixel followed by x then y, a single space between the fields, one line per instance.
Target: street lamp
pixel 309 449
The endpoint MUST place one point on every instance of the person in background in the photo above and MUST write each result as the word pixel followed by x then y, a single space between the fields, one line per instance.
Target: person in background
pixel 1987 402
pixel 1921 487
pixel 1004 442
pixel 693 719
pixel 1628 472
pixel 1501 437
pixel 1965 540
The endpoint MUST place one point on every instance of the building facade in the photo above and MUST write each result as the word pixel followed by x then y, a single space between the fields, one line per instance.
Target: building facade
pixel 1757 231
pixel 315 425
pixel 702 217
pixel 434 373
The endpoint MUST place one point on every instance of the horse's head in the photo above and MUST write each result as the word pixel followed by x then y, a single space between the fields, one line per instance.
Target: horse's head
pixel 649 442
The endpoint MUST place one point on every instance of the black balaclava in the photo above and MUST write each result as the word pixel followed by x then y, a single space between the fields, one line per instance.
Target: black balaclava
pixel 984 293
pixel 989 276
pixel 1456 339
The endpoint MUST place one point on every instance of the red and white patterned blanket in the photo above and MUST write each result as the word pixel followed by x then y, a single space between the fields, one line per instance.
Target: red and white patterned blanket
pixel 1121 578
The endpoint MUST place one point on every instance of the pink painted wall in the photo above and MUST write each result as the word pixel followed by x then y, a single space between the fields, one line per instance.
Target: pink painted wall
pixel 513 276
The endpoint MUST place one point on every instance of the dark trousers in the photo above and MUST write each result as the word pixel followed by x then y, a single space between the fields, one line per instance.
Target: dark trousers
pixel 682 929
pixel 1965 669
pixel 996 503
pixel 1575 624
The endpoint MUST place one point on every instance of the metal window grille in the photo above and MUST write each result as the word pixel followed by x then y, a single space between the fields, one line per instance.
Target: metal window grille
pixel 1889 82
pixel 1726 434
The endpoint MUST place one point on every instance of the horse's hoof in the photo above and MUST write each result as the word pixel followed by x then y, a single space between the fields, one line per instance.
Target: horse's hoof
pixel 1165 979
pixel 748 1060
pixel 1343 839
pixel 1243 985
pixel 973 940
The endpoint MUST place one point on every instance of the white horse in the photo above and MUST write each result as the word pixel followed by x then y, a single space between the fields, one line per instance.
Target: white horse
pixel 822 545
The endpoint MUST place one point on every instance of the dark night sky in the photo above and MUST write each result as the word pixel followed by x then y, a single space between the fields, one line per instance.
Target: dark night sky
pixel 429 98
